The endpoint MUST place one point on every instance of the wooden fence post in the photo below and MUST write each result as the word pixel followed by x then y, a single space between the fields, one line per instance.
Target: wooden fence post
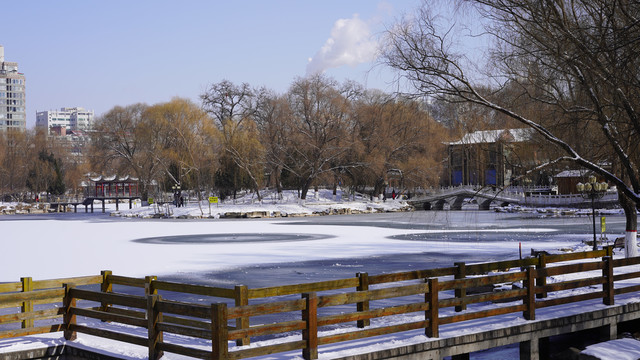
pixel 432 313
pixel 27 305
pixel 363 285
pixel 105 287
pixel 530 299
pixel 219 332
pixel 310 334
pixel 460 293
pixel 148 285
pixel 153 318
pixel 541 280
pixel 242 299
pixel 609 249
pixel 607 287
pixel 69 319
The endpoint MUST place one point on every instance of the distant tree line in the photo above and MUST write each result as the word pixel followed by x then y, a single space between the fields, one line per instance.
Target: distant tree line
pixel 320 133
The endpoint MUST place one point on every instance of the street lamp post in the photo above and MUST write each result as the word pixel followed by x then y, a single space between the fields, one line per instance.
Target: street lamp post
pixel 593 190
pixel 176 194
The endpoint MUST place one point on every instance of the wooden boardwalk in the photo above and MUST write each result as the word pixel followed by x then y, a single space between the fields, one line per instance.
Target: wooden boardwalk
pixel 425 302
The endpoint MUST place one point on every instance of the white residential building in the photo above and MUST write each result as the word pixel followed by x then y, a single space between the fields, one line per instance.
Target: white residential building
pixel 12 96
pixel 70 119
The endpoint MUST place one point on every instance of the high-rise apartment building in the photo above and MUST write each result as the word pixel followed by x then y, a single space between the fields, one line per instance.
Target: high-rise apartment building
pixel 12 96
pixel 69 119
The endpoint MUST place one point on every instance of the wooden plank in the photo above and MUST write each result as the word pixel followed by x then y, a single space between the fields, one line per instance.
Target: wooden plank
pixel 480 281
pixel 301 288
pixel 482 314
pixel 486 297
pixel 126 281
pixel 8 334
pixel 576 256
pixel 184 309
pixel 266 350
pixel 377 294
pixel 626 289
pixel 411 275
pixel 361 334
pixel 370 314
pixel 266 308
pixel 268 329
pixel 626 262
pixel 109 316
pixel 194 289
pixel 573 284
pixel 139 302
pixel 182 350
pixel 120 311
pixel 108 334
pixel 54 294
pixel 10 287
pixel 626 276
pixel 53 300
pixel 569 299
pixel 484 268
pixel 167 319
pixel 198 324
pixel 76 281
pixel 35 315
pixel 571 268
pixel 185 330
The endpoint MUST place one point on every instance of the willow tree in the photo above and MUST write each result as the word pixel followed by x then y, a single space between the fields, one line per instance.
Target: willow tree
pixel 190 146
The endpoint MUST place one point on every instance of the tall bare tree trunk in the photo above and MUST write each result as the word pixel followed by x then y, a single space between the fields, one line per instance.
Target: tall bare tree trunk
pixel 631 233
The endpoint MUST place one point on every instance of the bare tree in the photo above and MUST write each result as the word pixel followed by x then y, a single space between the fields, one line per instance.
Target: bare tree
pixel 319 128
pixel 273 118
pixel 577 58
pixel 233 106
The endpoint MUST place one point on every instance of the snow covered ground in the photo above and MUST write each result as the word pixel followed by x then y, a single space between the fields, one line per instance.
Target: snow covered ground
pixel 63 245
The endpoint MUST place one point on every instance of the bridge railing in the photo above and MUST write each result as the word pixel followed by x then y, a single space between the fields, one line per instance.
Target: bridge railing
pixel 163 315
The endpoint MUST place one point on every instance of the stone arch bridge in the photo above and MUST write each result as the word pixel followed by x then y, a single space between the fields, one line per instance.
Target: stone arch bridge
pixel 485 197
pixel 456 197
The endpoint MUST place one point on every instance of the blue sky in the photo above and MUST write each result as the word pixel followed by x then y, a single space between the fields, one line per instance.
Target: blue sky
pixel 99 54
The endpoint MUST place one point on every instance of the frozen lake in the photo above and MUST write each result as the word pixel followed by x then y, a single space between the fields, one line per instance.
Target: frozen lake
pixel 265 252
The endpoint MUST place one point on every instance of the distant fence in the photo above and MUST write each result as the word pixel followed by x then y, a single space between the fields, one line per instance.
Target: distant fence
pixel 160 307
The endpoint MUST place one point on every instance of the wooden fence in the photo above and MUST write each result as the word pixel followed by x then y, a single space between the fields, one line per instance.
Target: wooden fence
pixel 433 297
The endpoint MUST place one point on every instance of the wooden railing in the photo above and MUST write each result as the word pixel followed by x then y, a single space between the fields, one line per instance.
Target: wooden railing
pixel 432 297
pixel 27 294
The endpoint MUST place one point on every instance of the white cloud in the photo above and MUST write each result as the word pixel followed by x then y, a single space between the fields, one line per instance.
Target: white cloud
pixel 351 43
